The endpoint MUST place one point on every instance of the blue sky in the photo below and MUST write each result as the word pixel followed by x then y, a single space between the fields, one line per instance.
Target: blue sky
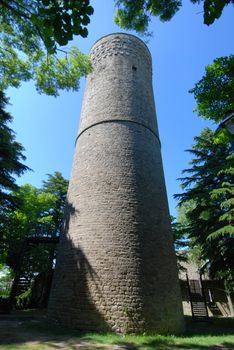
pixel 181 48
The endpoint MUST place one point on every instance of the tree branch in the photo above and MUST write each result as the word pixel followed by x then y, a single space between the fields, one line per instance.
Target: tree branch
pixel 11 8
pixel 23 7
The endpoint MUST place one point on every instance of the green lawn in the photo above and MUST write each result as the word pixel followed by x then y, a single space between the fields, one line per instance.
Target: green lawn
pixel 218 334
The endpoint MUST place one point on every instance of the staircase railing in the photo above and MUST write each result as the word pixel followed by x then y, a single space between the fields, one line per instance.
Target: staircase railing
pixel 197 299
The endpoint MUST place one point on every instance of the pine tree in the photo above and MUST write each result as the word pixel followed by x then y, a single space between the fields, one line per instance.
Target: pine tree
pixel 209 184
pixel 57 186
pixel 180 243
pixel 11 156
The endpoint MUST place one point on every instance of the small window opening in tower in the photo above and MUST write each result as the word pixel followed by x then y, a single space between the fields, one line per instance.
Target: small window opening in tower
pixel 134 67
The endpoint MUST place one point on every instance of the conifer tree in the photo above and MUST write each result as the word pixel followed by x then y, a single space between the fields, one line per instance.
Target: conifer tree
pixel 11 156
pixel 57 186
pixel 180 242
pixel 209 184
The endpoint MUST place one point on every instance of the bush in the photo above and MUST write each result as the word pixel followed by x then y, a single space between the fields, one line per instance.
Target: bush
pixel 23 300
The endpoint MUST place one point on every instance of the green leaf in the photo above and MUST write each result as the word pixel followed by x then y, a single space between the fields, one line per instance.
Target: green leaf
pixel 46 2
pixel 89 10
pixel 84 32
pixel 85 20
pixel 24 44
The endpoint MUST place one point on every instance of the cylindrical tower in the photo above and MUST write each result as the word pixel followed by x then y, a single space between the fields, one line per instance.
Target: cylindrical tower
pixel 116 267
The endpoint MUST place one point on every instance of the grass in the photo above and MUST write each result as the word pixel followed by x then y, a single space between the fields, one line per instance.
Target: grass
pixel 167 342
pixel 36 335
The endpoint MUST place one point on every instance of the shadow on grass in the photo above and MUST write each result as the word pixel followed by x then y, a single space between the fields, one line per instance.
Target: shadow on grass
pixel 214 335
pixel 214 326
pixel 170 345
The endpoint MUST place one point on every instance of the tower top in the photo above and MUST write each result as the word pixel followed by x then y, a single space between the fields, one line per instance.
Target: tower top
pixel 119 35
pixel 120 85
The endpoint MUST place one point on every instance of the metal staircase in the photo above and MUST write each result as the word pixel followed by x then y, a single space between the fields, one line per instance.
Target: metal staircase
pixel 197 299
pixel 21 281
pixel 22 285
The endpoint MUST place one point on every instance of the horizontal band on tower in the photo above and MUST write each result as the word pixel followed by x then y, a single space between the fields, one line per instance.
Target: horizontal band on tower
pixel 119 120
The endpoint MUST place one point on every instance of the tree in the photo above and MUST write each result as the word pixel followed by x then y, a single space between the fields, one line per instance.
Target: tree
pixel 213 9
pixel 137 14
pixel 57 186
pixel 193 250
pixel 40 213
pixel 32 217
pixel 11 157
pixel 214 92
pixel 209 184
pixel 31 32
pixel 180 242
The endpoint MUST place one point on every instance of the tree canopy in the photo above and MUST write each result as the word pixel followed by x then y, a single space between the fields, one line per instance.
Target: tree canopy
pixel 137 14
pixel 39 213
pixel 31 217
pixel 56 22
pixel 214 92
pixel 209 187
pixel 212 9
pixel 31 33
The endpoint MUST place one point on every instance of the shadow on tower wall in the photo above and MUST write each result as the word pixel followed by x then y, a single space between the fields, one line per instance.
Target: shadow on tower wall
pixel 71 304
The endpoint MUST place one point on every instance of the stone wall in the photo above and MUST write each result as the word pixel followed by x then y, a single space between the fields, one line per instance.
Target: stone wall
pixel 116 267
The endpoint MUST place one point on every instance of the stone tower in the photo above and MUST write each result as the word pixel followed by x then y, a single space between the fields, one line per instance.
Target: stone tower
pixel 116 267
